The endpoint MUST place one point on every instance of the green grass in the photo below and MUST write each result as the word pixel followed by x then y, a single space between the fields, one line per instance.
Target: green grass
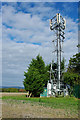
pixel 62 103
pixel 69 104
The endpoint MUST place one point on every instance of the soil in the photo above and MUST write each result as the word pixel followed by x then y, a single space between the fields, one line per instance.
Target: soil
pixel 24 109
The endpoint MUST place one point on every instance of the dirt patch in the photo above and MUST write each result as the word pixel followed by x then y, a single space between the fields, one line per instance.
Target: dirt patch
pixel 22 109
pixel 28 109
pixel 11 94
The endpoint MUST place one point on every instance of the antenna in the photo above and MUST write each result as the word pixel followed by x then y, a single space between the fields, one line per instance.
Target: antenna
pixel 58 25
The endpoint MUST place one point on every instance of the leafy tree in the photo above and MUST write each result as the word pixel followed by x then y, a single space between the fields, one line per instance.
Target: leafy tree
pixel 33 82
pixel 39 64
pixel 36 77
pixel 72 76
pixel 74 64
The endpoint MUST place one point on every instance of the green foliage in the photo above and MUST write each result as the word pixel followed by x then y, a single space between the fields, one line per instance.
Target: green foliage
pixel 36 77
pixel 76 91
pixel 67 103
pixel 72 76
pixel 39 64
pixel 74 64
pixel 0 89
pixel 10 90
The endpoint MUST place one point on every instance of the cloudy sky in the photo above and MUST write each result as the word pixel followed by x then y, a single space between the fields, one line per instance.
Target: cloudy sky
pixel 39 0
pixel 26 33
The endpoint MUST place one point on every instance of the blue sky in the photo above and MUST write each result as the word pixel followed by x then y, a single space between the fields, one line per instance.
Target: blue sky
pixel 69 9
pixel 26 33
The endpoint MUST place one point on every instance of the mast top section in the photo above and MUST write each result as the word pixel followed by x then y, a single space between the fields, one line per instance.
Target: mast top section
pixel 57 21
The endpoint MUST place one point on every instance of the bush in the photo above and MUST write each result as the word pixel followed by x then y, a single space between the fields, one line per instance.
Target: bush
pixel 22 90
pixel 10 89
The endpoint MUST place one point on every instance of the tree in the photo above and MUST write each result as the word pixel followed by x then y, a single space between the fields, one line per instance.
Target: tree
pixel 74 64
pixel 72 76
pixel 39 64
pixel 36 77
pixel 33 82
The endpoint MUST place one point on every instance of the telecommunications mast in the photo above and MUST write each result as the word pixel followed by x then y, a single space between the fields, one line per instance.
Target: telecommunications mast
pixel 58 25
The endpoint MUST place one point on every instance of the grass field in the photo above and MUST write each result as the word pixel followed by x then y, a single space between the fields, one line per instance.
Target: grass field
pixel 53 107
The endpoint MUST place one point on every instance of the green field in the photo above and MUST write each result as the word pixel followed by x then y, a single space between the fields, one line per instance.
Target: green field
pixel 70 103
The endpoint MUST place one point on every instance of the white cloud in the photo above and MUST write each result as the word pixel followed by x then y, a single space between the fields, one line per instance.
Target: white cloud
pixel 20 26
pixel 17 57
pixel 40 1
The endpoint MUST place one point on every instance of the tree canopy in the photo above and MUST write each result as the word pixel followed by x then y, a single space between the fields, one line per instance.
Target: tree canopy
pixel 72 76
pixel 74 64
pixel 36 77
pixel 37 74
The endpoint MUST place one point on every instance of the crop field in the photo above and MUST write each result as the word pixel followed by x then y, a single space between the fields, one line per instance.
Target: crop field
pixel 19 106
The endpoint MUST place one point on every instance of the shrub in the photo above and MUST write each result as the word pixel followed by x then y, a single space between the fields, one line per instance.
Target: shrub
pixel 22 90
pixel 9 89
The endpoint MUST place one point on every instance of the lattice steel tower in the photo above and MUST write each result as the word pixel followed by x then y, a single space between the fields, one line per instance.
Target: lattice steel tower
pixel 58 25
